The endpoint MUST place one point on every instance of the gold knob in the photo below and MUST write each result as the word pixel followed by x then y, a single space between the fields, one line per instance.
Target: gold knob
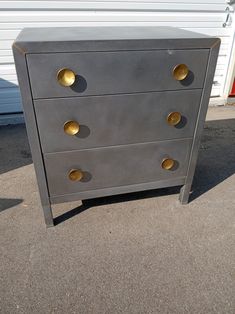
pixel 75 175
pixel 168 163
pixel 180 72
pixel 173 118
pixel 66 77
pixel 71 127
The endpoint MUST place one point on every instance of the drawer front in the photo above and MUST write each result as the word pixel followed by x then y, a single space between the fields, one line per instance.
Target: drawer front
pixel 100 73
pixel 115 120
pixel 115 166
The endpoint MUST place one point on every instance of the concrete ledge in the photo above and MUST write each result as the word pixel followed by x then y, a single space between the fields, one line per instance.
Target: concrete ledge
pixel 16 118
pixel 217 101
pixel 231 101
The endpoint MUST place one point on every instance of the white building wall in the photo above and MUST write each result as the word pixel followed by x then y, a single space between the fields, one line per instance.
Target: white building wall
pixel 205 17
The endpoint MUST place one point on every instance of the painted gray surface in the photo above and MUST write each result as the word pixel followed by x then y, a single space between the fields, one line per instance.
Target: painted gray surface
pixel 115 120
pixel 124 81
pixel 31 125
pixel 90 194
pixel 185 190
pixel 115 166
pixel 74 39
pixel 77 34
pixel 99 73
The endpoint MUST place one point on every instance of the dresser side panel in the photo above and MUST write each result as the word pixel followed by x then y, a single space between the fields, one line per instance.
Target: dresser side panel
pixel 214 51
pixel 32 132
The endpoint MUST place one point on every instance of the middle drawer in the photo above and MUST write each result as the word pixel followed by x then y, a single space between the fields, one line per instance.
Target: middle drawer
pixel 88 122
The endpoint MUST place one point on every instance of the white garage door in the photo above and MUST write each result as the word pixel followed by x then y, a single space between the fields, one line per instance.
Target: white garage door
pixel 205 17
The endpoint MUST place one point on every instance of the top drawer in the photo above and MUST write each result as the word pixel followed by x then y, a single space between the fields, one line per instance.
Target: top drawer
pixel 103 73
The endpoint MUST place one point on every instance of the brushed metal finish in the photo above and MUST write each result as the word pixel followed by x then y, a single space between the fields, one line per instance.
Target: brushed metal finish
pixel 117 190
pixel 75 175
pixel 32 132
pixel 174 118
pixel 116 120
pixel 65 77
pixel 180 72
pixel 115 166
pixel 112 38
pixel 142 59
pixel 116 72
pixel 71 127
pixel 168 163
pixel 210 71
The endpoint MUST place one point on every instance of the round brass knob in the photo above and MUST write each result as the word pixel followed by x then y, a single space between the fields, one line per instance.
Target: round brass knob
pixel 168 163
pixel 71 127
pixel 174 118
pixel 75 175
pixel 180 72
pixel 66 77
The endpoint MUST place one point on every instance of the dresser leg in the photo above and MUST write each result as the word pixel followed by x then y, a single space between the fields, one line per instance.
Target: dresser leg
pixel 48 215
pixel 184 193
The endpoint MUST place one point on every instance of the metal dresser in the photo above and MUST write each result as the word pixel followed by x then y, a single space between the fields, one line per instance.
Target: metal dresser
pixel 113 110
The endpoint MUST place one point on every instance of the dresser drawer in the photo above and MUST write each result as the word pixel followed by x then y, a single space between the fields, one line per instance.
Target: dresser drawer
pixel 115 120
pixel 115 166
pixel 100 73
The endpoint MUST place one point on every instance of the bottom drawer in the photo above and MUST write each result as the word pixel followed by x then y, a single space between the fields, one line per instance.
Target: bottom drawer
pixel 99 168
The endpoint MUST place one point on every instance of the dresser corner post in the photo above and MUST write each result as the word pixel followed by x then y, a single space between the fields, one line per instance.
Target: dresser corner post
pixel 184 194
pixel 48 216
pixel 211 66
pixel 32 131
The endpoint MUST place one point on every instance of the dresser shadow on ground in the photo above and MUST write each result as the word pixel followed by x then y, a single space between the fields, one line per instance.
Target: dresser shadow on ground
pixel 216 163
pixel 101 201
pixel 216 160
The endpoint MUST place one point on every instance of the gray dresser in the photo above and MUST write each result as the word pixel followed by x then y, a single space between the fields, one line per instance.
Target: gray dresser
pixel 113 110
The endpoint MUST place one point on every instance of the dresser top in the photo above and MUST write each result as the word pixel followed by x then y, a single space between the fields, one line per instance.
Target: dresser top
pixel 69 39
